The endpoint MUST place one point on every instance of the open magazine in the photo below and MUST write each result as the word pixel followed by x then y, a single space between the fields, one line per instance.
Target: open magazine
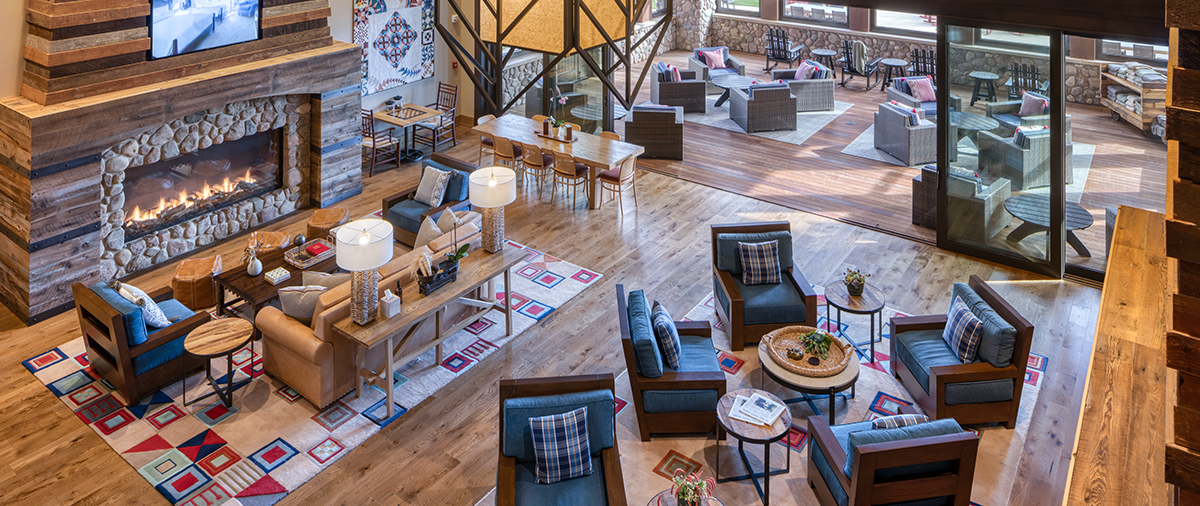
pixel 756 409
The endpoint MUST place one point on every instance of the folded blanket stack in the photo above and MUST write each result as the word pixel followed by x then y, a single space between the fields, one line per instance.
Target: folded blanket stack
pixel 1114 90
pixel 1159 127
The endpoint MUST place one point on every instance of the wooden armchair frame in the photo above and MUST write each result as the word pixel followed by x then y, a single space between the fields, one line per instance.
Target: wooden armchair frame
pixel 741 334
pixel 408 238
pixel 506 472
pixel 111 356
pixel 684 422
pixel 861 488
pixel 934 402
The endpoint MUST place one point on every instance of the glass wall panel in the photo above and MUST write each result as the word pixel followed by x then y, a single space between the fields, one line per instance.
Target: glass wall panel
pixel 746 7
pixel 1020 40
pixel 904 22
pixel 658 7
pixel 814 12
pixel 578 95
pixel 1130 50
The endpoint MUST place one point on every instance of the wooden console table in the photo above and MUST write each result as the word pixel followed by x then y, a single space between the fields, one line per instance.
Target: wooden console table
pixel 475 271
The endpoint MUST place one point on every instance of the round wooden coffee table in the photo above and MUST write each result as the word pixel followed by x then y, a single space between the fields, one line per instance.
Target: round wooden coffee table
pixel 807 385
pixel 218 338
pixel 754 434
pixel 870 303
pixel 666 498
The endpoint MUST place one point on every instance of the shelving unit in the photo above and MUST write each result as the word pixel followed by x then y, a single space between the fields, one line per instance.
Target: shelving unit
pixel 1154 102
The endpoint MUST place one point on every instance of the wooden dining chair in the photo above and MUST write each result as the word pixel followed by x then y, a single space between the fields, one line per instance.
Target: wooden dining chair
pixel 537 163
pixel 610 135
pixel 570 172
pixel 576 128
pixel 615 180
pixel 486 144
pixel 441 129
pixel 508 153
pixel 538 118
pixel 382 145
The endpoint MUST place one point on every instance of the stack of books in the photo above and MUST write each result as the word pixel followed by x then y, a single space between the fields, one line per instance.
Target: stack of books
pixel 756 409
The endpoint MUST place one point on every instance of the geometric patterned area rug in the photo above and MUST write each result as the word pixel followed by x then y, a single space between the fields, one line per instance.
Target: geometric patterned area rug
pixel 272 440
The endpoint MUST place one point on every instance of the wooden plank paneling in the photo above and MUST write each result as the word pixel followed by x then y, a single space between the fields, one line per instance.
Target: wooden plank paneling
pixel 88 41
pixel 335 174
pixel 1183 124
pixel 336 120
pixel 14 277
pixel 14 204
pixel 1181 240
pixel 64 201
pixel 93 53
pixel 1187 427
pixel 1187 201
pixel 53 270
pixel 297 27
pixel 69 32
pixel 1185 312
pixel 80 6
pixel 295 17
pixel 1183 354
pixel 55 22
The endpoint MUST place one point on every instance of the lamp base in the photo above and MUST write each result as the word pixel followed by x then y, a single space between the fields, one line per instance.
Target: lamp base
pixel 493 229
pixel 364 296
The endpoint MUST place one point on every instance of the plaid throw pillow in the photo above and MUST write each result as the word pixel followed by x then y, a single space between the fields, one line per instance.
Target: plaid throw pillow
pixel 560 446
pixel 963 331
pixel 667 334
pixel 894 421
pixel 760 262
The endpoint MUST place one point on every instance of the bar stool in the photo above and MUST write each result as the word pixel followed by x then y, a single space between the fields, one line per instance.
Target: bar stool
pixel 988 80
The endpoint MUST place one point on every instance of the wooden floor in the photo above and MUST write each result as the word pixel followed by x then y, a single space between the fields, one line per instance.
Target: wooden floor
pixel 444 450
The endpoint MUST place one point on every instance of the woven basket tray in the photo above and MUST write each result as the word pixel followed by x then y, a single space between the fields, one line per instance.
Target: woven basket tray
pixel 780 340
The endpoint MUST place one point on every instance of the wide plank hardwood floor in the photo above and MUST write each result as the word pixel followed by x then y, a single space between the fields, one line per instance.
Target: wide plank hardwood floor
pixel 444 450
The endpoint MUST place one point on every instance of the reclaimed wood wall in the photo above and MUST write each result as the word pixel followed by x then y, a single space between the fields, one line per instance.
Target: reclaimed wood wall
pixel 82 48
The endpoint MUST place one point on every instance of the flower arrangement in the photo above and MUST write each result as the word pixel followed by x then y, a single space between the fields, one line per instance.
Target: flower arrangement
pixel 689 489
pixel 817 343
pixel 855 281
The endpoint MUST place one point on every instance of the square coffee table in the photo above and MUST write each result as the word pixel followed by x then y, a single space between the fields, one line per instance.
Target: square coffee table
pixel 256 291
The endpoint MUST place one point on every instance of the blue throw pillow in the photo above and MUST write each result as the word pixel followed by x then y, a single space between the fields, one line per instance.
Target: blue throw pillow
pixel 963 331
pixel 894 421
pixel 760 263
pixel 666 334
pixel 560 446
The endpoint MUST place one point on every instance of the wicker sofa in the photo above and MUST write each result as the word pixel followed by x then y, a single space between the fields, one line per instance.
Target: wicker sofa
pixel 978 210
pixel 911 144
pixel 814 94
pixel 659 130
pixel 703 73
pixel 902 93
pixel 763 108
pixel 689 93
pixel 1026 165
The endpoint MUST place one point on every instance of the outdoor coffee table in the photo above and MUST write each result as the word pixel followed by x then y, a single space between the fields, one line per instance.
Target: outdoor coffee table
pixel 870 303
pixel 754 434
pixel 1034 211
pixel 808 386
pixel 970 124
pixel 218 338
pixel 255 291
pixel 728 82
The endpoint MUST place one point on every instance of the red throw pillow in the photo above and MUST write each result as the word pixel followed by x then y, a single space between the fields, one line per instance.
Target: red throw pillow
pixel 714 59
pixel 675 73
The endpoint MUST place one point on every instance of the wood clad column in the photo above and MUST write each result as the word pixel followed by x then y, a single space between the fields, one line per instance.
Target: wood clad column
pixel 336 146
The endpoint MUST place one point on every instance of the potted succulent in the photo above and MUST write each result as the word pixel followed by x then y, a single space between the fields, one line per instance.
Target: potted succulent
pixel 855 281
pixel 254 266
pixel 691 489
pixel 816 344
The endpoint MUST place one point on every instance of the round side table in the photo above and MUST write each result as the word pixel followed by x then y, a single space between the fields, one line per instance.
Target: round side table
pixel 824 56
pixel 666 498
pixel 988 82
pixel 218 338
pixel 893 65
pixel 808 385
pixel 870 303
pixel 754 434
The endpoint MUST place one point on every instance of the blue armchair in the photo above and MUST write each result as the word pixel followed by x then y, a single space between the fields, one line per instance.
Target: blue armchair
pixel 750 311
pixel 406 214
pixel 135 359
pixel 522 399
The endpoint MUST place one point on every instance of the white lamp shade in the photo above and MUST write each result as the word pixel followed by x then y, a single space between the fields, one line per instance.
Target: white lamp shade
pixel 364 244
pixel 493 187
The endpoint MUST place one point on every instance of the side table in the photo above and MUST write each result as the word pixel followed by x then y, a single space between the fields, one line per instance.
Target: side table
pixel 824 56
pixel 754 434
pixel 987 81
pixel 218 338
pixel 893 65
pixel 870 303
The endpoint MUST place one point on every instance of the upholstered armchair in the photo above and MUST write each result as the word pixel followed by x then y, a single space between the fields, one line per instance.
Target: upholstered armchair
pixel 690 93
pixel 813 94
pixel 1026 165
pixel 667 400
pixel 137 360
pixel 901 92
pixel 406 214
pixel 927 463
pixel 697 63
pixel 987 390
pixel 1006 113
pixel 977 210
pixel 897 136
pixel 763 108
pixel 658 130
pixel 522 399
pixel 750 311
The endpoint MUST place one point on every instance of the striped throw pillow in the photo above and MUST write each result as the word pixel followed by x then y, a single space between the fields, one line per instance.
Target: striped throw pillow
pixel 560 446
pixel 666 334
pixel 760 263
pixel 894 421
pixel 963 331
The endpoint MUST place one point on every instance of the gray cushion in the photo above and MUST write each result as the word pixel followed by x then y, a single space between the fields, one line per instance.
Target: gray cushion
pixel 728 258
pixel 641 332
pixel 927 429
pixel 717 72
pixel 697 354
pixel 517 440
pixel 774 303
pixel 406 214
pixel 920 350
pixel 675 401
pixel 1008 120
pixel 999 338
pixel 584 491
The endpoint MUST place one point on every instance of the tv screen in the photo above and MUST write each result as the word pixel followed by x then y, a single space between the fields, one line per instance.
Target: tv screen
pixel 184 26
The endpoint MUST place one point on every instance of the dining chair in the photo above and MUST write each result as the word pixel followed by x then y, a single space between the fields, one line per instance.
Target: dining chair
pixel 575 127
pixel 570 172
pixel 538 118
pixel 486 144
pixel 537 163
pixel 508 153
pixel 615 180
pixel 384 147
pixel 441 129
pixel 610 135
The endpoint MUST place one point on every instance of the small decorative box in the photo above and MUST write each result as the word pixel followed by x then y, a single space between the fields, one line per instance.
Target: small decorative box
pixel 277 275
pixel 302 257
pixel 389 306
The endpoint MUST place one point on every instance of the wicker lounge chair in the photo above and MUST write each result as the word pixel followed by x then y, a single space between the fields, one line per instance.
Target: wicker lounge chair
pixel 763 108
pixel 690 93
pixel 658 130
pixel 911 144
pixel 814 94
pixel 703 73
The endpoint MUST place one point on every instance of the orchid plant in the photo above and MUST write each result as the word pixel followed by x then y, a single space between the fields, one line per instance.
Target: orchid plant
pixel 460 252
pixel 690 488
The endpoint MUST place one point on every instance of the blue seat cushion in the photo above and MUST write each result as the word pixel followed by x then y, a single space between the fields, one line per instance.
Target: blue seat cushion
pixel 641 333
pixel 998 340
pixel 1008 120
pixel 729 257
pixel 920 350
pixel 676 401
pixel 920 430
pixel 774 303
pixel 517 439
pixel 697 354
pixel 822 461
pixel 717 72
pixel 143 363
pixel 135 325
pixel 930 109
pixel 406 214
pixel 584 491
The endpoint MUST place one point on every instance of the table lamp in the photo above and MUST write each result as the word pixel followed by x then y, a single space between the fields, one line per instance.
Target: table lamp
pixel 363 247
pixel 491 189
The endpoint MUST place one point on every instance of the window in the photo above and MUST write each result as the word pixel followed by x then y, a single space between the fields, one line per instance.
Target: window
pixel 738 6
pixel 921 25
pixel 658 7
pixel 812 12
pixel 1014 40
pixel 1128 50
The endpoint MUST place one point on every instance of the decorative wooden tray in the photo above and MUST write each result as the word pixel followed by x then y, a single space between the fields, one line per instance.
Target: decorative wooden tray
pixel 780 340
pixel 302 259
pixel 574 137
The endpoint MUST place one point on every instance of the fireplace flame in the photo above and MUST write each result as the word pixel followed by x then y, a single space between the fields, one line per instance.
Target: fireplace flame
pixel 185 200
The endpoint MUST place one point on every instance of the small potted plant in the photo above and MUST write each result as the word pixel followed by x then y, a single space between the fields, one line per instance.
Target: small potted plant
pixel 855 281
pixel 691 489
pixel 816 344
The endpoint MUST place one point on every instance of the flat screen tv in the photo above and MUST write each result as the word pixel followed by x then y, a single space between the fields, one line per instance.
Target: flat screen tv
pixel 184 26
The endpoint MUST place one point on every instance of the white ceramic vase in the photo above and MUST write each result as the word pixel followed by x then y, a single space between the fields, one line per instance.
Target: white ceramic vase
pixel 254 267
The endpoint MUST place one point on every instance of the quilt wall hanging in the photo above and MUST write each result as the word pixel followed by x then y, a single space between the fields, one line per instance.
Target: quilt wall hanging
pixel 396 37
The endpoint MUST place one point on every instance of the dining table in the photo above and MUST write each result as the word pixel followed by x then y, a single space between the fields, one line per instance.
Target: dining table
pixel 405 118
pixel 598 153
